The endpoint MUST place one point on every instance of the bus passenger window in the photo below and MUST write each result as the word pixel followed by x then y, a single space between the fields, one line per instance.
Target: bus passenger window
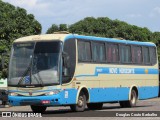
pixel 137 54
pixel 125 53
pixel 146 55
pixel 153 55
pixel 84 51
pixel 112 53
pixel 98 50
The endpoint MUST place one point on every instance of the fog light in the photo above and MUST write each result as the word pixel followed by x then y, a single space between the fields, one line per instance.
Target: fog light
pixel 45 101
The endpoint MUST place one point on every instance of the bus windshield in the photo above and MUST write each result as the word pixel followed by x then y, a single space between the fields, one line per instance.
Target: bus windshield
pixel 34 64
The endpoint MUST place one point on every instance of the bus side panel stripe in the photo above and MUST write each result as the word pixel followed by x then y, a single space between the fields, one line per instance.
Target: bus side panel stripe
pixel 106 70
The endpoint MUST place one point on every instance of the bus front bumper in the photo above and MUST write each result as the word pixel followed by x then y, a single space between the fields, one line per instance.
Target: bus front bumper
pixel 54 100
pixel 64 97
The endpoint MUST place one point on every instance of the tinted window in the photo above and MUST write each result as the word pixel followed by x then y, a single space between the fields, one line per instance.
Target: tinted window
pixel 146 55
pixel 153 55
pixel 112 53
pixel 98 52
pixel 125 53
pixel 47 47
pixel 137 54
pixel 84 51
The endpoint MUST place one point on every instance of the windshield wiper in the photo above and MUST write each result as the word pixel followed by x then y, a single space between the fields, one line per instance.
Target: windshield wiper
pixel 37 72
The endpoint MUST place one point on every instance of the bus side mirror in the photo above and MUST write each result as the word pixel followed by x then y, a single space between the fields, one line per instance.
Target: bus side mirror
pixel 66 64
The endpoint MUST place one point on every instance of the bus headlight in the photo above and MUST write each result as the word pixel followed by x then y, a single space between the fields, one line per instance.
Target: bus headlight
pixel 52 92
pixel 13 94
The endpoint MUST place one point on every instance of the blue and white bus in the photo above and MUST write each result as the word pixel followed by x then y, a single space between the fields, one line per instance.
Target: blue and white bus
pixel 75 70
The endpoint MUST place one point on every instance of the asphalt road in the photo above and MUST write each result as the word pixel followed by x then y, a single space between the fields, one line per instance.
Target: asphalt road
pixel 149 108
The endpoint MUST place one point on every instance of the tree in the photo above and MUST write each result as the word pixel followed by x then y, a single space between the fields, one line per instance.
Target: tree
pixel 56 28
pixel 106 27
pixel 15 23
pixel 63 27
pixel 52 29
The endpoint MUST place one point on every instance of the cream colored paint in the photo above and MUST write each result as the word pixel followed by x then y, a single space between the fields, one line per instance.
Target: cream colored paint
pixel 45 37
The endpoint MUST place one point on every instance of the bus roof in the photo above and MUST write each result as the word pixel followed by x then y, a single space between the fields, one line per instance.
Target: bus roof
pixel 43 37
pixel 63 37
pixel 110 40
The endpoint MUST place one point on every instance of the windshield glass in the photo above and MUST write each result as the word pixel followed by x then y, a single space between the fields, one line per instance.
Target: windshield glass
pixel 45 62
pixel 34 63
pixel 20 61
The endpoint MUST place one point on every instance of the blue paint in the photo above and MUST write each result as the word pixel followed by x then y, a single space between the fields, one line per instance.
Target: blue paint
pixel 121 93
pixel 108 94
pixel 106 70
pixel 148 92
pixel 70 36
pixel 96 95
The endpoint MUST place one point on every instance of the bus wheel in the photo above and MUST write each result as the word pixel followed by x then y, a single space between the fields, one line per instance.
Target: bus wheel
pixel 80 106
pixel 132 102
pixel 38 109
pixel 95 106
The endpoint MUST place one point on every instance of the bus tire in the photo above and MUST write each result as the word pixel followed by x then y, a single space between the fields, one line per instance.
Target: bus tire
pixel 38 109
pixel 122 104
pixel 81 104
pixel 95 106
pixel 132 102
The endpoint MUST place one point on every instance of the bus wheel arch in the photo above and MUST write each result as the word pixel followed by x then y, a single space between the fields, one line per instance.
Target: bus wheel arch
pixel 133 97
pixel 85 91
pixel 81 100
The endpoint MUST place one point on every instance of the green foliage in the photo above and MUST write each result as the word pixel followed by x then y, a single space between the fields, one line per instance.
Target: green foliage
pixel 106 27
pixel 52 29
pixel 14 23
pixel 56 28
pixel 63 27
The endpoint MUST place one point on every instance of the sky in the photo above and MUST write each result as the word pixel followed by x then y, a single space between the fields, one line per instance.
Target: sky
pixel 142 13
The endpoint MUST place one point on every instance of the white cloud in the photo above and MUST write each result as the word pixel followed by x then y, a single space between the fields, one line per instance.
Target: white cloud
pixel 35 7
pixel 23 3
pixel 155 12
